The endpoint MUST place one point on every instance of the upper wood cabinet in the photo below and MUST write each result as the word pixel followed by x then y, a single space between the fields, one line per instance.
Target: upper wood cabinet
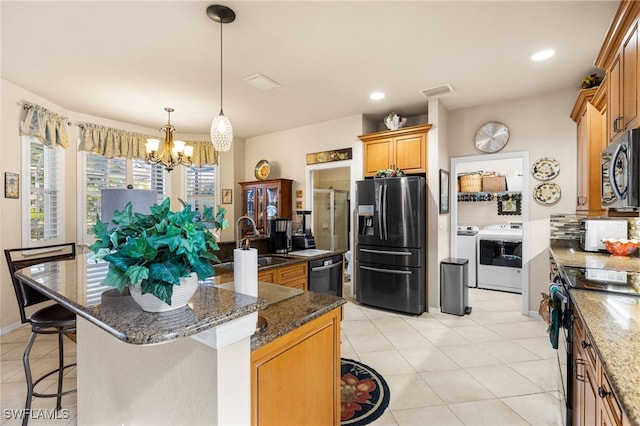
pixel 405 149
pixel 619 56
pixel 590 143
pixel 265 199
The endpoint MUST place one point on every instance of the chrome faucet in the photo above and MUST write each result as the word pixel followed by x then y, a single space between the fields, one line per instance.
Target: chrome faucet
pixel 253 223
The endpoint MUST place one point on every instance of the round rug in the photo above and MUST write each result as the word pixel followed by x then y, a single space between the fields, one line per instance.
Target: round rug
pixel 364 394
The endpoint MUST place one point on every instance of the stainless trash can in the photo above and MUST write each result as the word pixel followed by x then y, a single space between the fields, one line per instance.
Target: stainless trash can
pixel 454 291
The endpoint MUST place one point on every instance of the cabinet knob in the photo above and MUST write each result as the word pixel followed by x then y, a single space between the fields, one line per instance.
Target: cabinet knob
pixel 585 344
pixel 603 393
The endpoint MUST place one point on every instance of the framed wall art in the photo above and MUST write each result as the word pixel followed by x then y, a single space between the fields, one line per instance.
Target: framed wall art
pixel 11 185
pixel 227 196
pixel 444 191
pixel 509 207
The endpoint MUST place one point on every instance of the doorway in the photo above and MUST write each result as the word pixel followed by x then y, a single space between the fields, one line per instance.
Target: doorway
pixel 508 161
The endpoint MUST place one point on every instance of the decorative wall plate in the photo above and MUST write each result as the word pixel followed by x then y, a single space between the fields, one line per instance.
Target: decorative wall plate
pixel 262 170
pixel 545 168
pixel 546 193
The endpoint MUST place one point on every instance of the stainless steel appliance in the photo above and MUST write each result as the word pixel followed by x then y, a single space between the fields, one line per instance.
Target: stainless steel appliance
pixel 592 231
pixel 390 256
pixel 500 258
pixel 620 172
pixel 325 275
pixel 303 237
pixel 280 235
pixel 467 248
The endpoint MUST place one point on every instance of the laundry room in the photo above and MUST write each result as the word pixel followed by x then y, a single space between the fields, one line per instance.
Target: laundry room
pixel 489 222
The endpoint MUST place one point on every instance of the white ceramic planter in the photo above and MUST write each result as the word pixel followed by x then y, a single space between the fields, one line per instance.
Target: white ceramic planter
pixel 181 295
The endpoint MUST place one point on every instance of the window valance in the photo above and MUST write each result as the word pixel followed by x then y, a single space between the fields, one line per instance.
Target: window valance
pixel 110 143
pixel 46 126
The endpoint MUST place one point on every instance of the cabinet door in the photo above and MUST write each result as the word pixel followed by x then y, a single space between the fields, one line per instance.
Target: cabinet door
pixel 614 100
pixel 583 164
pixel 410 153
pixel 272 200
pixel 630 78
pixel 378 155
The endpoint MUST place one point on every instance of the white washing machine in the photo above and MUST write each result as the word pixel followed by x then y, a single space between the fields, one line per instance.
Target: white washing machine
pixel 500 257
pixel 467 249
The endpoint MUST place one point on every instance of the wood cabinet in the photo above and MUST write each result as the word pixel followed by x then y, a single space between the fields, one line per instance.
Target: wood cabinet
pixel 590 143
pixel 295 379
pixel 405 149
pixel 619 57
pixel 264 200
pixel 295 275
pixel 594 403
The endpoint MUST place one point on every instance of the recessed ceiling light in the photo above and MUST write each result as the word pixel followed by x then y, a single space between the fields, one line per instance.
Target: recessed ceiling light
pixel 542 55
pixel 376 96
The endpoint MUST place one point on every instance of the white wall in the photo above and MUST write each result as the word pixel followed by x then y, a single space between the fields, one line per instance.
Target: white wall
pixel 541 126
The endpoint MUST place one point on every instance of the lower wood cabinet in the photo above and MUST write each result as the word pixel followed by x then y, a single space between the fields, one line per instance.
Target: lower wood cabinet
pixel 295 379
pixel 291 276
pixel 594 403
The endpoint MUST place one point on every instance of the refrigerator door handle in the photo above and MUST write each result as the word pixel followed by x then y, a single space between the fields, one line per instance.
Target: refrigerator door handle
pixel 386 271
pixel 384 212
pixel 393 253
pixel 379 211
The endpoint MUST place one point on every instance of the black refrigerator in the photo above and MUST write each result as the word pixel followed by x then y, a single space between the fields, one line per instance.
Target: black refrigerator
pixel 391 253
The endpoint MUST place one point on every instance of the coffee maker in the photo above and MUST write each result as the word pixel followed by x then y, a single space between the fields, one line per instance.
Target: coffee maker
pixel 280 235
pixel 302 237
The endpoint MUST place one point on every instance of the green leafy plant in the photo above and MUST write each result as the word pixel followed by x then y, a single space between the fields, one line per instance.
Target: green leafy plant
pixel 155 250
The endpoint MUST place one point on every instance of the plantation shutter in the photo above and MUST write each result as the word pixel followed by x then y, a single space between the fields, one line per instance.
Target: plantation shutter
pixel 45 193
pixel 102 173
pixel 201 184
pixel 150 177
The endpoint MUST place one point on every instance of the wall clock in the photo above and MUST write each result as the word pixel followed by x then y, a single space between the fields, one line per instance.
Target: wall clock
pixel 491 137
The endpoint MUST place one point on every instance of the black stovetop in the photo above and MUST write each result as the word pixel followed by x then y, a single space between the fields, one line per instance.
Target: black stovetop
pixel 620 282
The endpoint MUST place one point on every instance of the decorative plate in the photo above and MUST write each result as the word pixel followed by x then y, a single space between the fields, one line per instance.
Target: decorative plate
pixel 262 170
pixel 546 193
pixel 545 168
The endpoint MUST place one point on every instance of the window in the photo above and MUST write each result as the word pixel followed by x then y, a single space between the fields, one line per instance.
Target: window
pixel 201 187
pixel 102 173
pixel 43 193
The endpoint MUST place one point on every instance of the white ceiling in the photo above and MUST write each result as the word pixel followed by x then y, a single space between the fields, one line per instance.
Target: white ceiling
pixel 126 61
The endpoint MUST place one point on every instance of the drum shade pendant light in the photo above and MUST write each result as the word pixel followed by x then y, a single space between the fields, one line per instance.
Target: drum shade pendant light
pixel 221 131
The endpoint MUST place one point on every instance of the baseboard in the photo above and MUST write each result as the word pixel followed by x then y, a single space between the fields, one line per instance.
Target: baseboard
pixel 10 328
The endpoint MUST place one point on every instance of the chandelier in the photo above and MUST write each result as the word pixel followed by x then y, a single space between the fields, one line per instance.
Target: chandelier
pixel 221 131
pixel 172 153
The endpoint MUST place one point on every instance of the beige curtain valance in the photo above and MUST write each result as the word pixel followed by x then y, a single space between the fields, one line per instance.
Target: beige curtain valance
pixel 204 154
pixel 46 126
pixel 112 143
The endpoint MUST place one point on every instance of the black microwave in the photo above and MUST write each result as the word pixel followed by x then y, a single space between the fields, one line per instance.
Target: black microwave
pixel 620 172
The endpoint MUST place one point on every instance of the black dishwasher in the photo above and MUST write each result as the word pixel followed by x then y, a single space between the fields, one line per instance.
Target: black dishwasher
pixel 325 275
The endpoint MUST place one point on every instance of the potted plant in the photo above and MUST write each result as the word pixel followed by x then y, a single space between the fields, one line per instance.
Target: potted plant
pixel 155 253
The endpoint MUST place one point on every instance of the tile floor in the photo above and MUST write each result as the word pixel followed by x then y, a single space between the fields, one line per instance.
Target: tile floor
pixel 493 367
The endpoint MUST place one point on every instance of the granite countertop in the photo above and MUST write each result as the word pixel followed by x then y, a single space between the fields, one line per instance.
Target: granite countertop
pixel 612 321
pixel 67 283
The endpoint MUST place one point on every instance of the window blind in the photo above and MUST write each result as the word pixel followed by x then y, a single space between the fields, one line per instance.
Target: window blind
pixel 201 187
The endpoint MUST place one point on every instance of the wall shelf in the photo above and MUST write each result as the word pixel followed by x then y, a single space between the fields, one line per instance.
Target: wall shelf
pixel 473 197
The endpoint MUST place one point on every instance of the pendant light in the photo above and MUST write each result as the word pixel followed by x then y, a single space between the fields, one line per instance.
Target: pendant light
pixel 221 131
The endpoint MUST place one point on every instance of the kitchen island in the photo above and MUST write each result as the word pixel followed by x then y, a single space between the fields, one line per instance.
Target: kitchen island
pixel 612 325
pixel 189 366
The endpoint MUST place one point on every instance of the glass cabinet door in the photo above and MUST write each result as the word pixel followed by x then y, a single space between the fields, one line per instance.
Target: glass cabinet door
pixel 272 202
pixel 260 215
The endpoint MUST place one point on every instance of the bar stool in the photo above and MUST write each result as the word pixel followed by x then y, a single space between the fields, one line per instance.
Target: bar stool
pixel 52 319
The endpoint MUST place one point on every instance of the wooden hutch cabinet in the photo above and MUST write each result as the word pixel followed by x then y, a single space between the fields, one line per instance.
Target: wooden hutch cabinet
pixel 405 149
pixel 265 199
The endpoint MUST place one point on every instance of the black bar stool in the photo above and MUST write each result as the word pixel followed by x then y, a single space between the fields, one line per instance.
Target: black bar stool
pixel 52 319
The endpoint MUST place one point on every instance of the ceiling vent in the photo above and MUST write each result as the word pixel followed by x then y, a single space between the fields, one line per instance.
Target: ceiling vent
pixel 436 91
pixel 261 82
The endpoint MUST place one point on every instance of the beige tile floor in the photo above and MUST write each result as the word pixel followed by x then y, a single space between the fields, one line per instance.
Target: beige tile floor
pixel 493 367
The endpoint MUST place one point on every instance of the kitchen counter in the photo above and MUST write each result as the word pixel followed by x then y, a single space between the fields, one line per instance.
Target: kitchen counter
pixel 612 321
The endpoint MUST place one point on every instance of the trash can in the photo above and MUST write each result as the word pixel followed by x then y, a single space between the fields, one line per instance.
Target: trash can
pixel 454 292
